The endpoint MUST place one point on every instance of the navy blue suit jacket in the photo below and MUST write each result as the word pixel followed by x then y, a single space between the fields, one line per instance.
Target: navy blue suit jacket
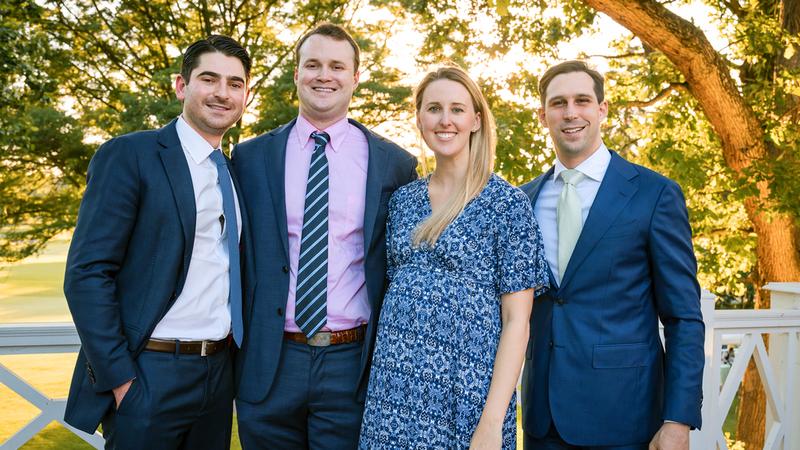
pixel 127 262
pixel 595 364
pixel 260 167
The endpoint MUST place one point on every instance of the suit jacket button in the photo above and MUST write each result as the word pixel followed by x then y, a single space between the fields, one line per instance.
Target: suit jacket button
pixel 560 301
pixel 551 344
pixel 280 311
pixel 285 269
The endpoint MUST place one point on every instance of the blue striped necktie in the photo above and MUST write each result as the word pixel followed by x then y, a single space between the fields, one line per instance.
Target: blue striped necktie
pixel 232 239
pixel 311 298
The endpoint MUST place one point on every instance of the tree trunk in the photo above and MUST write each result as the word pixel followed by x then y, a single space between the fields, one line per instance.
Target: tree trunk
pixel 743 143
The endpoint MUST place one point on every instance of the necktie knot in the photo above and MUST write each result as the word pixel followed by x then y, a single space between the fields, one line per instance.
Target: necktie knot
pixel 572 177
pixel 218 158
pixel 321 139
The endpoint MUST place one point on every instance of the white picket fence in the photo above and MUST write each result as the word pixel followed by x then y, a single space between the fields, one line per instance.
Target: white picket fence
pixel 779 369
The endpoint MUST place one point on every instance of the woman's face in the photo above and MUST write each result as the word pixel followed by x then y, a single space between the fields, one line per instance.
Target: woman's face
pixel 447 118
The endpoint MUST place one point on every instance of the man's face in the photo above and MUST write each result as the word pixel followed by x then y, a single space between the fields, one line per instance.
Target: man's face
pixel 572 115
pixel 214 96
pixel 325 79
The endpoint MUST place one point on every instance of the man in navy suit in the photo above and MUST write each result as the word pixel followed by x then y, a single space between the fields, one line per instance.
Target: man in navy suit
pixel 618 243
pixel 317 191
pixel 152 276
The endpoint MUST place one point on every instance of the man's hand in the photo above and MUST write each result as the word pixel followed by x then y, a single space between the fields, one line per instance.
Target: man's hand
pixel 120 391
pixel 671 436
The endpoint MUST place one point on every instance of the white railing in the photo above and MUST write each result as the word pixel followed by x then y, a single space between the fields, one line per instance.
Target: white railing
pixel 26 339
pixel 779 369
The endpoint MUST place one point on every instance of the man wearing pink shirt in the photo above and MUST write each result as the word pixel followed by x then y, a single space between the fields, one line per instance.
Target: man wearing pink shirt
pixel 317 191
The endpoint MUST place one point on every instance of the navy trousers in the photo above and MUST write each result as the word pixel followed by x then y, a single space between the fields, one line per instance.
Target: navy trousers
pixel 176 402
pixel 553 441
pixel 311 404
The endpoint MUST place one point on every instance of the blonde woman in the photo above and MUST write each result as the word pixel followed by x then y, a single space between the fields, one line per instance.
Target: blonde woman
pixel 465 256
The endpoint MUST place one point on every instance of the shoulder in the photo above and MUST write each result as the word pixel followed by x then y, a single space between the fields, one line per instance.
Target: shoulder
pixel 409 190
pixel 266 139
pixel 505 191
pixel 127 147
pixel 647 177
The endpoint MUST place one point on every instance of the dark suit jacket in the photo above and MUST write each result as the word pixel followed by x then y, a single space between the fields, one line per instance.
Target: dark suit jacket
pixel 127 262
pixel 260 166
pixel 594 362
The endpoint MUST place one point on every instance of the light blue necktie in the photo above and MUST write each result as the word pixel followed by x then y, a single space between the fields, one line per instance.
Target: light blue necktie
pixel 311 298
pixel 570 218
pixel 232 238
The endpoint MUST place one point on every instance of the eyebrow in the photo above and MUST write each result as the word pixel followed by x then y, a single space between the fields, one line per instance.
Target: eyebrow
pixel 315 60
pixel 216 75
pixel 562 97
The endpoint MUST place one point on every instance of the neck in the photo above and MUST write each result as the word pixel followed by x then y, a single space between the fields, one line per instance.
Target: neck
pixel 213 138
pixel 321 123
pixel 573 160
pixel 451 172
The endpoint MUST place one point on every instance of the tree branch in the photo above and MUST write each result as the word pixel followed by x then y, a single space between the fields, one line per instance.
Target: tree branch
pixel 657 98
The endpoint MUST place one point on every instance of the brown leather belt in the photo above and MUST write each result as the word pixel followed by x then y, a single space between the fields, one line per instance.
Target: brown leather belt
pixel 202 348
pixel 326 338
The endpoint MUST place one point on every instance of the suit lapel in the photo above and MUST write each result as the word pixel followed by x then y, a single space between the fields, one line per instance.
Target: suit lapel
pixel 376 170
pixel 535 190
pixel 180 180
pixel 275 165
pixel 616 190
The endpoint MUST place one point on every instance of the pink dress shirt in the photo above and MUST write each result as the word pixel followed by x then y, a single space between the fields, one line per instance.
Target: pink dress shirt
pixel 348 155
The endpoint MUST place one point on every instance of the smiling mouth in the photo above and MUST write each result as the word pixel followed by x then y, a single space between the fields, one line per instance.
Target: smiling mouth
pixel 445 135
pixel 216 107
pixel 324 89
pixel 572 130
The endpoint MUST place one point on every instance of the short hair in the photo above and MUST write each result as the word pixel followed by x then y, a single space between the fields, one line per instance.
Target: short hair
pixel 570 67
pixel 334 32
pixel 214 43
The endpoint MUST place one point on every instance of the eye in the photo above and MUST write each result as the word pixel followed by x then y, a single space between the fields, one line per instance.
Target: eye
pixel 557 103
pixel 458 109
pixel 236 85
pixel 434 108
pixel 311 65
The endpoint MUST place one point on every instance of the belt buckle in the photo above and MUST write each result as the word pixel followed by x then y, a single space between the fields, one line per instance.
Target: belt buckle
pixel 320 339
pixel 203 348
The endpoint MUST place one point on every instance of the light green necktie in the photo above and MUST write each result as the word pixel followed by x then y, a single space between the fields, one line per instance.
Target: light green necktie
pixel 570 221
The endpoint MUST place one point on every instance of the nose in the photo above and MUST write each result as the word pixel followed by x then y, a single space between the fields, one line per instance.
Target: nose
pixel 324 73
pixel 222 90
pixel 570 112
pixel 444 118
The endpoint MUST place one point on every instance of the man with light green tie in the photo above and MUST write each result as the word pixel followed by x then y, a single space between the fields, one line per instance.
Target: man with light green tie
pixel 618 243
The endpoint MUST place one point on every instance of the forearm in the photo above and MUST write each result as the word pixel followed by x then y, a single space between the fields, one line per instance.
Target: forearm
pixel 507 366
pixel 516 311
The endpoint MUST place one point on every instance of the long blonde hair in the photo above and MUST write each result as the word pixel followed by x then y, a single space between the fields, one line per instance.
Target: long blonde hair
pixel 481 155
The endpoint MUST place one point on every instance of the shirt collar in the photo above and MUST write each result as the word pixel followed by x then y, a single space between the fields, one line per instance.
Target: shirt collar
pixel 593 167
pixel 198 148
pixel 338 132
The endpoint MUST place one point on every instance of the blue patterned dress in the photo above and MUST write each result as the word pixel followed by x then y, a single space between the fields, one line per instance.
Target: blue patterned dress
pixel 440 323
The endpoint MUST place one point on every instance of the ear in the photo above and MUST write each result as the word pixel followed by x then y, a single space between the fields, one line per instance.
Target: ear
pixel 419 124
pixel 295 76
pixel 356 77
pixel 180 87
pixel 603 110
pixel 477 125
pixel 542 117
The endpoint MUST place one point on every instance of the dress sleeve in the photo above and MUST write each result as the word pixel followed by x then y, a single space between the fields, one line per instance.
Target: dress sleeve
pixel 522 264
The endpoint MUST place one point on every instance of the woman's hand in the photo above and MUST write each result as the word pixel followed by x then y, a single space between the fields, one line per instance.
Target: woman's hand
pixel 487 436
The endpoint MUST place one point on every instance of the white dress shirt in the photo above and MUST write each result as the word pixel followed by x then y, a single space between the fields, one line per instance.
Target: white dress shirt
pixel 594 168
pixel 202 311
